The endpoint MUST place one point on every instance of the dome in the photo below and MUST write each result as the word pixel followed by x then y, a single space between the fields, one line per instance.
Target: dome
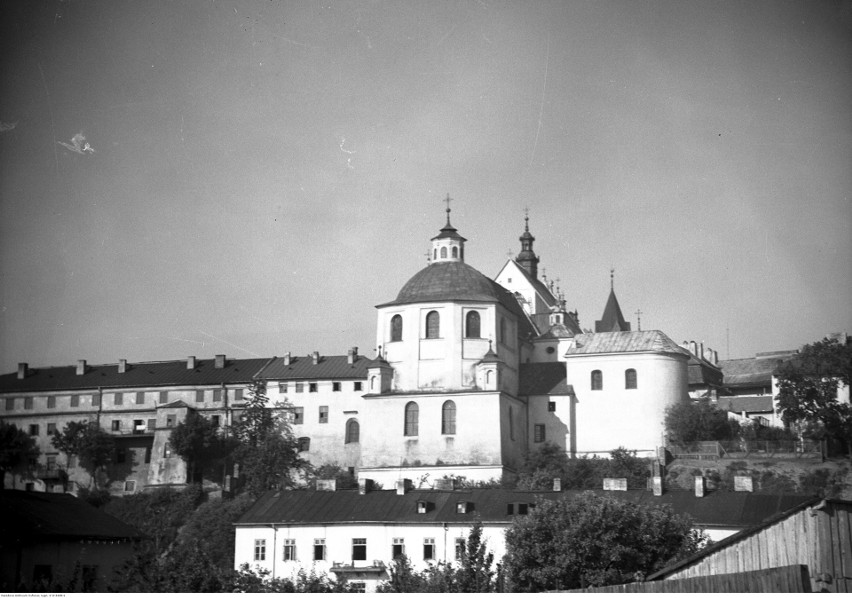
pixel 449 281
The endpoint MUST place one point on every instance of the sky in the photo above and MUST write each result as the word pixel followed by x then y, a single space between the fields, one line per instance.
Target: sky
pixel 252 178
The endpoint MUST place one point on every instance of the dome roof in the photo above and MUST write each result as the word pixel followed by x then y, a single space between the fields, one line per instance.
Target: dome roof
pixel 449 281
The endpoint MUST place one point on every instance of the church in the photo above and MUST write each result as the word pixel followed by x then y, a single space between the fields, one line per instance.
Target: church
pixel 471 374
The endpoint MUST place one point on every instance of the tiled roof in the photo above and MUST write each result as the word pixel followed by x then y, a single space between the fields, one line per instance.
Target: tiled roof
pixel 544 379
pixel 307 507
pixel 624 342
pixel 138 375
pixel 612 320
pixel 27 515
pixel 327 368
pixel 761 404
pixel 752 371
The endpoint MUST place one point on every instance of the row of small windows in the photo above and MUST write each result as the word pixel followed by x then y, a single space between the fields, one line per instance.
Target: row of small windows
pixel 412 418
pixel 359 549
pixel 352 436
pixel 630 380
pixel 472 325
pixel 455 252
pixel 130 398
pixel 299 387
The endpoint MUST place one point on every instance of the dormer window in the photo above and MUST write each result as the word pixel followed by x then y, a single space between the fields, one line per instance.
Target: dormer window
pixel 422 506
pixel 463 507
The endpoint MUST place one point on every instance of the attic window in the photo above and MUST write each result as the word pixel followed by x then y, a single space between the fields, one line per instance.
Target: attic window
pixel 463 507
pixel 422 506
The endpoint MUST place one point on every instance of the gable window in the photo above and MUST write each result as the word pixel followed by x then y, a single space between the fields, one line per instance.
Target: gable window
pixel 359 549
pixel 538 433
pixel 396 328
pixel 630 379
pixel 260 550
pixel 312 386
pixel 597 380
pixel 288 553
pixel 428 549
pixel 448 418
pixel 298 415
pixel 118 399
pixel 319 549
pixel 412 419
pixel 323 414
pixel 433 325
pixel 356 386
pixel 51 402
pixel 472 324
pixel 397 548
pixel 304 444
pixel 335 386
pixel 353 431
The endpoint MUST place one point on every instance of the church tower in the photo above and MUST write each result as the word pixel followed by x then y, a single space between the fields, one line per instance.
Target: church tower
pixel 448 246
pixel 612 319
pixel 527 257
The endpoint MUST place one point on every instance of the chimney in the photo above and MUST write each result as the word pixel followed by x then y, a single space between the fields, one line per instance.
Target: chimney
pixel 351 355
pixel 327 485
pixel 693 347
pixel 699 486
pixel 22 371
pixel 220 362
pixel 287 358
pixel 81 367
pixel 701 350
pixel 557 485
pixel 715 358
pixel 364 486
pixel 122 366
pixel 402 486
pixel 315 357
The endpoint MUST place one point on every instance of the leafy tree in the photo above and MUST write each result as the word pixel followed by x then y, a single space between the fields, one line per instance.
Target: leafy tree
pixel 475 574
pixel 589 540
pixel 17 449
pixel 688 421
pixel 93 447
pixel 210 528
pixel 199 443
pixel 808 386
pixel 332 471
pixel 584 473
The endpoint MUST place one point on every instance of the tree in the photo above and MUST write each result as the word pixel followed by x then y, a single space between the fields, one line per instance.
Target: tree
pixel 590 540
pixel 583 473
pixel 808 389
pixel 199 443
pixel 17 450
pixel 267 451
pixel 688 421
pixel 92 446
pixel 474 573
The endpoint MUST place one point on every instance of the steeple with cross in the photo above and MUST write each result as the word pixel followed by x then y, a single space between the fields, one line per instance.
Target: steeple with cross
pixel 448 246
pixel 527 258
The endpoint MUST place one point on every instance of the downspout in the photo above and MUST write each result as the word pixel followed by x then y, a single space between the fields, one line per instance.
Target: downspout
pixel 274 547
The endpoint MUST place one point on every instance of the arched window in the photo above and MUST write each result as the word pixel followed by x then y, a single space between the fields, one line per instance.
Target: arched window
pixel 433 325
pixel 396 328
pixel 472 324
pixel 443 252
pixel 372 383
pixel 412 419
pixel 597 380
pixel 630 378
pixel 434 254
pixel 353 431
pixel 455 251
pixel 448 418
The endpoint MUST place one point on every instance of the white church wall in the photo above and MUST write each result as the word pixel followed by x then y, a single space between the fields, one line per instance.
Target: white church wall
pixel 558 422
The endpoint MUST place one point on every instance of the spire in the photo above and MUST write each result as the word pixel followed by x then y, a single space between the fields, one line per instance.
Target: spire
pixel 448 246
pixel 612 319
pixel 527 258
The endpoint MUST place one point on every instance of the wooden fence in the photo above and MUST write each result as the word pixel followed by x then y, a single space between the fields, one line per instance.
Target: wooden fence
pixel 793 578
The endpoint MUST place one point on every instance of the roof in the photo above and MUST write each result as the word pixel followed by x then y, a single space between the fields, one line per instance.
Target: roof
pixel 138 375
pixel 701 371
pixel 327 368
pixel 612 319
pixel 760 404
pixel 741 535
pixel 34 515
pixel 624 342
pixel 311 507
pixel 544 379
pixel 753 371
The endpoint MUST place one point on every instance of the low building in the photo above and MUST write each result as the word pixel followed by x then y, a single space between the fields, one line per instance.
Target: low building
pixel 46 540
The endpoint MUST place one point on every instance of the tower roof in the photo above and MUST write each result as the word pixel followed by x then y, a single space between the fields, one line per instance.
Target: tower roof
pixel 612 319
pixel 527 258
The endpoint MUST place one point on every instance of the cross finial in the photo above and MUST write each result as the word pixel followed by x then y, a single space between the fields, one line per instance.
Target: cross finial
pixel 612 279
pixel 544 274
pixel 526 220
pixel 639 319
pixel 447 201
pixel 428 256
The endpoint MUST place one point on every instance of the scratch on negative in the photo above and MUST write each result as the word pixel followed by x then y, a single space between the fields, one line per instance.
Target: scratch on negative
pixel 541 106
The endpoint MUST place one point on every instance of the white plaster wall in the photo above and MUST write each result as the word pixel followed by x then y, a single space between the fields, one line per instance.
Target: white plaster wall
pixel 558 425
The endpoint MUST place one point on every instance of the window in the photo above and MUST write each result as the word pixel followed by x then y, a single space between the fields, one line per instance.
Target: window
pixel 323 414
pixel 630 379
pixel 140 398
pixel 51 462
pixel 170 421
pixel 51 402
pixel 116 425
pixel 164 397
pixel 199 396
pixel 472 324
pixel 353 431
pixel 130 486
pixel 428 549
pixel 335 386
pixel 147 454
pixel 33 429
pixel 597 380
pixel 28 402
pixel 443 252
pixel 10 404
pixel 319 549
pixel 412 419
pixel 238 394
pixel 358 587
pixel 215 420
pixel 288 553
pixel 312 387
pixel 260 550
pixel 304 444
pixel 120 455
pixel 551 406
pixel 51 429
pixel 356 386
pixel 433 325
pixel 282 387
pixel 461 507
pixel 538 433
pixel 359 549
pixel 459 549
pixel 217 395
pixel 455 251
pixel 398 548
pixel 422 506
pixel 448 418
pixel 300 387
pixel 396 328
pixel 96 400
pixel 167 450
pixel 298 415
